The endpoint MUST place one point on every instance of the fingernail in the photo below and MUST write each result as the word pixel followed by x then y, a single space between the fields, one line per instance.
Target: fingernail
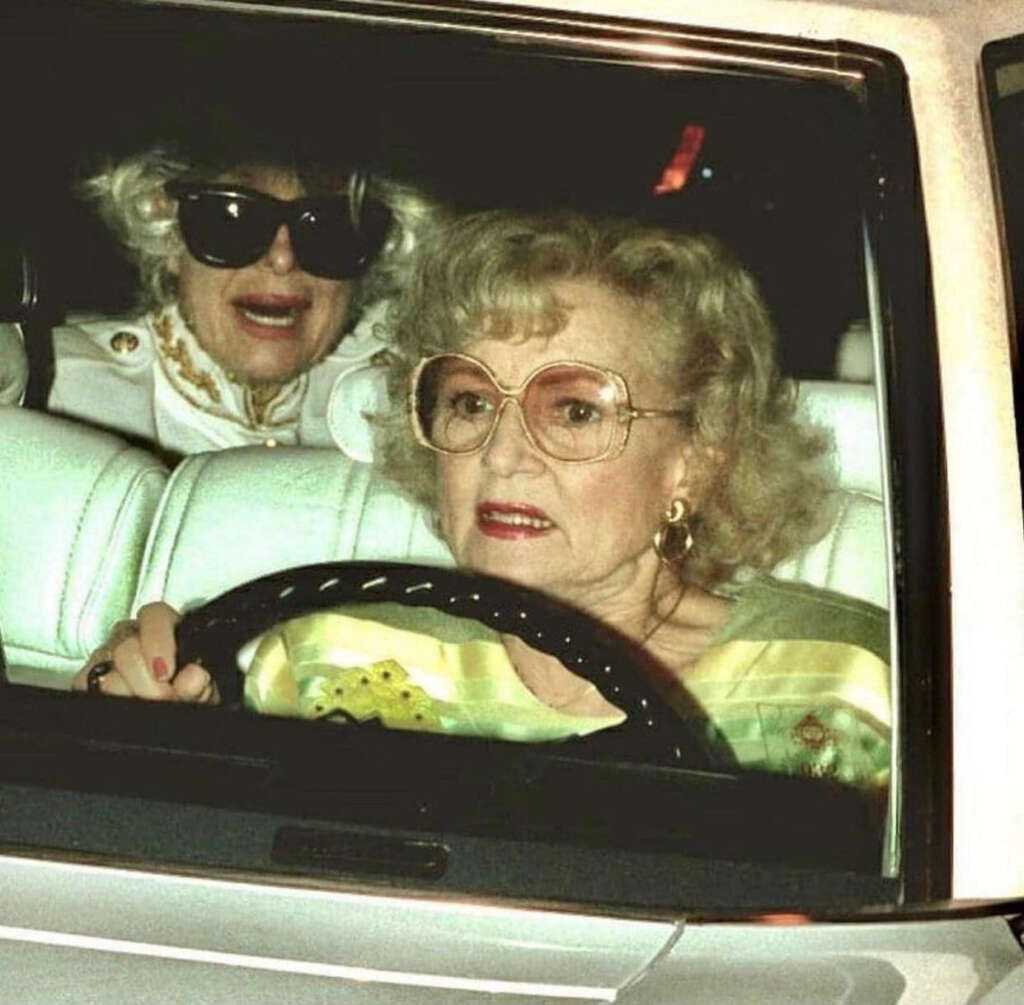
pixel 160 671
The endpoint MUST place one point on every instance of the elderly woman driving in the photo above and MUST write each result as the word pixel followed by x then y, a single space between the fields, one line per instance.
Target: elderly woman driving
pixel 594 411
pixel 252 270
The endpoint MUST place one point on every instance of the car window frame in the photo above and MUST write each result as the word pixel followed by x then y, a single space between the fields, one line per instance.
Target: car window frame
pixel 894 223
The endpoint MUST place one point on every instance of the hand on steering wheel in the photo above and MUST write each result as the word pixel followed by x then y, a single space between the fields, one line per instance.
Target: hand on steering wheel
pixel 138 660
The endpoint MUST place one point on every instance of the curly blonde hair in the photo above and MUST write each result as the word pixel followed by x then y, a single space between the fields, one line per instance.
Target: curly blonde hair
pixel 130 198
pixel 765 484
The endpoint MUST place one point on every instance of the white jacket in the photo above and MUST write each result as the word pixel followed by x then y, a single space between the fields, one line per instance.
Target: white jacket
pixel 148 378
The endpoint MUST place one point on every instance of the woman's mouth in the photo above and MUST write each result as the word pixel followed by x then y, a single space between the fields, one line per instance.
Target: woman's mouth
pixel 512 520
pixel 269 315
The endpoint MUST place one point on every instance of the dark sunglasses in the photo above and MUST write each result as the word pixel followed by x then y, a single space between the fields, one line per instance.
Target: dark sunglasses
pixel 229 226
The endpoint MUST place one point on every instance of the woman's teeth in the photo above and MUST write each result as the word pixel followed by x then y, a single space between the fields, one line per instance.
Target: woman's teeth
pixel 518 520
pixel 280 318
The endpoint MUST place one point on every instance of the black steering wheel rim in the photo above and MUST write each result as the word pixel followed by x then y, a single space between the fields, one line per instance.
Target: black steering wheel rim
pixel 653 730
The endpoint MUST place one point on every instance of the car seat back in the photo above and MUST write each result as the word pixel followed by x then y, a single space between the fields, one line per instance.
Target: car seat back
pixel 231 516
pixel 90 528
pixel 75 510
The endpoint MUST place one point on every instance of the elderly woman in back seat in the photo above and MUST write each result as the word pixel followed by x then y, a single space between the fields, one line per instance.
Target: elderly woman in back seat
pixel 262 280
pixel 593 409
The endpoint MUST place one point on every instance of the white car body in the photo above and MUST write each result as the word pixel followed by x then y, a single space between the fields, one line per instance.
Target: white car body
pixel 100 925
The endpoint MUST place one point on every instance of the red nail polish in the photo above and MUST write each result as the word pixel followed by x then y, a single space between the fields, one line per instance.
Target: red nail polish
pixel 160 671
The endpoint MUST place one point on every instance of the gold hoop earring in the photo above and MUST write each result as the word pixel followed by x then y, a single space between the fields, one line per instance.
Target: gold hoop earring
pixel 674 541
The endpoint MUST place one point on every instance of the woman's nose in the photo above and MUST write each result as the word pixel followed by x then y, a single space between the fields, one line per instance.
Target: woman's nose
pixel 280 255
pixel 509 450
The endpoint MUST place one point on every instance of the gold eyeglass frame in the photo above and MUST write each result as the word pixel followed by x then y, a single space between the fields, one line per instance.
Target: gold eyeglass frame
pixel 624 407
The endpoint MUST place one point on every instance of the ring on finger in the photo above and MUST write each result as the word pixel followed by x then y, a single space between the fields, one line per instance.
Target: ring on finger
pixel 96 673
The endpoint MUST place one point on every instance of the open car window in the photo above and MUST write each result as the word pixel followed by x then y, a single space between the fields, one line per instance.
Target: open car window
pixel 790 160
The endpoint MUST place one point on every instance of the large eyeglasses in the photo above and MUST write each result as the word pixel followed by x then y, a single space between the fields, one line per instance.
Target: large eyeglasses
pixel 229 226
pixel 570 411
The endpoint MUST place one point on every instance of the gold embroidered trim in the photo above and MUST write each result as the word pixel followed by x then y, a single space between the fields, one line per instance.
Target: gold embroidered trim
pixel 261 402
pixel 176 352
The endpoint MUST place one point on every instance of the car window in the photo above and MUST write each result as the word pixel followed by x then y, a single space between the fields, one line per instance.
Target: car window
pixel 1004 68
pixel 801 772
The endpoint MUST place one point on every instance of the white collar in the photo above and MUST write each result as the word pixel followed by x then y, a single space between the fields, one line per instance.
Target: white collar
pixel 194 375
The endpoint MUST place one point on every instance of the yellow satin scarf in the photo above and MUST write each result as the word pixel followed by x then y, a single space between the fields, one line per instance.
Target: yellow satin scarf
pixel 332 664
pixel 796 706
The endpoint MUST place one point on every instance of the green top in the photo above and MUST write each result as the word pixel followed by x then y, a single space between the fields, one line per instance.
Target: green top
pixel 798 681
pixel 777 610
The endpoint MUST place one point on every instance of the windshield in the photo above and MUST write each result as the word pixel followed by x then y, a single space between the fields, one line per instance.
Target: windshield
pixel 561 373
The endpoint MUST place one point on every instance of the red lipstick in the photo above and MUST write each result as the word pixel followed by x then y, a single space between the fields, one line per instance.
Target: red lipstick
pixel 512 521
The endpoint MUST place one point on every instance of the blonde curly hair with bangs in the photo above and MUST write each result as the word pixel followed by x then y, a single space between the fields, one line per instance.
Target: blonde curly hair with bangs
pixel 764 489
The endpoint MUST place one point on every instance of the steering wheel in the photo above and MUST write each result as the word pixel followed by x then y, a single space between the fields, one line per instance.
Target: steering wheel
pixel 653 731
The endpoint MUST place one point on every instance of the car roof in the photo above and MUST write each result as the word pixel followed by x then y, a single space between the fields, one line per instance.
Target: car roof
pixel 904 26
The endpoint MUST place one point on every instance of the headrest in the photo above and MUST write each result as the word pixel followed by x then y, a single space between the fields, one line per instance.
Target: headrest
pixel 852 557
pixel 850 412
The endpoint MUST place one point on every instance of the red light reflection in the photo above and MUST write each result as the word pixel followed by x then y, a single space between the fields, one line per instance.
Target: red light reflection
pixel 677 171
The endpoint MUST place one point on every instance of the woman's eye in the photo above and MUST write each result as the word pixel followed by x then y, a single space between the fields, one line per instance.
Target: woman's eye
pixel 574 412
pixel 468 405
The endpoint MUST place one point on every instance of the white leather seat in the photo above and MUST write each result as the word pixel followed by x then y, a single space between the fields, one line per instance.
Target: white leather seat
pixel 230 516
pixel 75 509
pixel 851 558
pixel 91 528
